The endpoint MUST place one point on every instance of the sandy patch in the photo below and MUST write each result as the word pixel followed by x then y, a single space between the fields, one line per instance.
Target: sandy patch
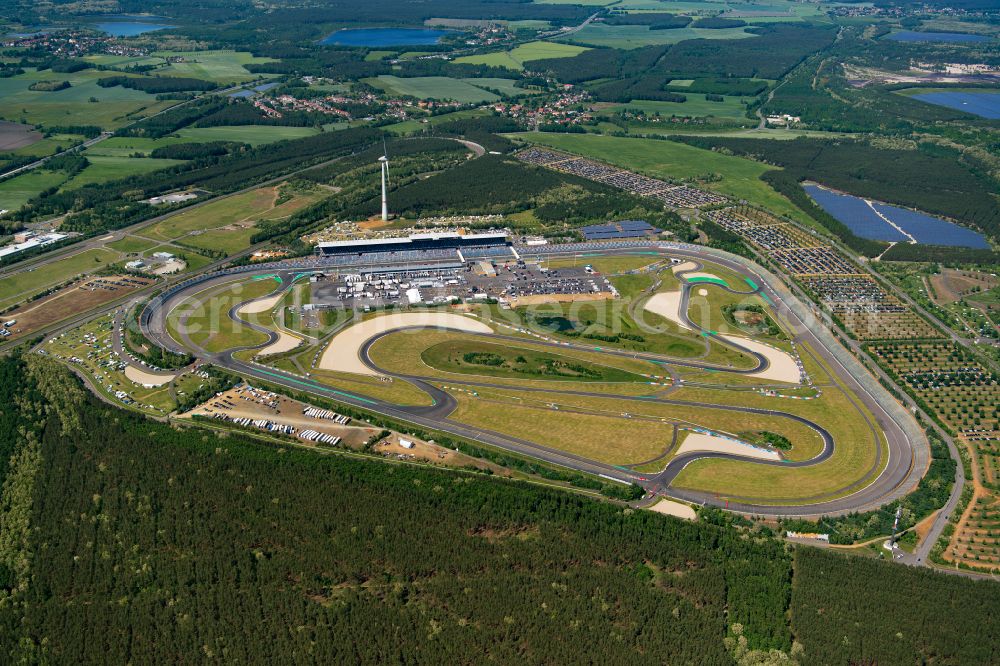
pixel 261 305
pixel 703 292
pixel 342 354
pixel 686 266
pixel 667 304
pixel 537 299
pixel 672 508
pixel 782 368
pixel 146 378
pixel 706 276
pixel 699 441
pixel 285 342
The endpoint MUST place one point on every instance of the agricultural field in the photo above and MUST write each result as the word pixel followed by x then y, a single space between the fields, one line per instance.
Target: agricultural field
pixel 14 136
pixel 505 86
pixel 255 135
pixel 696 106
pixel 516 57
pixel 223 67
pixel 105 107
pixel 433 87
pixel 636 36
pixel 18 190
pixel 49 145
pixel 102 169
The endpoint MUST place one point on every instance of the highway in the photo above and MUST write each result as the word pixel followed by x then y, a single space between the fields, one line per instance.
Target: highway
pixel 900 460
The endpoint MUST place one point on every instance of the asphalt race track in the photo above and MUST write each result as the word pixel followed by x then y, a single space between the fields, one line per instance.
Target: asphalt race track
pixel 900 461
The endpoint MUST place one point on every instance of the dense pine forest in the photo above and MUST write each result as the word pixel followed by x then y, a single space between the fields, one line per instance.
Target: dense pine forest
pixel 128 540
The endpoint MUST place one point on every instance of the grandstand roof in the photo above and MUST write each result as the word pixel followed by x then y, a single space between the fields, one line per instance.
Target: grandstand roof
pixel 375 242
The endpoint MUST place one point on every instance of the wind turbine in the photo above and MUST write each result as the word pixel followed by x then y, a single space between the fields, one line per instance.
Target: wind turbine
pixel 384 161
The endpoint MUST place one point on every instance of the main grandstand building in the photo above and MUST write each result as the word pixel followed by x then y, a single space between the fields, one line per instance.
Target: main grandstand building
pixel 441 241
pixel 470 246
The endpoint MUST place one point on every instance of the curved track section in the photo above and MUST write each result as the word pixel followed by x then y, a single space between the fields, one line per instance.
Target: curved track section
pixel 898 466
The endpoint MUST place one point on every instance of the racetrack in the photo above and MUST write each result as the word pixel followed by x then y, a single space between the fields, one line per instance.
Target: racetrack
pixel 899 462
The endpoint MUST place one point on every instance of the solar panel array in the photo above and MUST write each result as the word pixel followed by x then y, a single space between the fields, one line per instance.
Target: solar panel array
pixel 623 229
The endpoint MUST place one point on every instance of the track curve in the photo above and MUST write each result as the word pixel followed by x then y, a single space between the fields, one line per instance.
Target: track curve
pixel 894 472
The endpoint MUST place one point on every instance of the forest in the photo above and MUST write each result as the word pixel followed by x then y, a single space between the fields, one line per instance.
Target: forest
pixel 777 49
pixel 337 560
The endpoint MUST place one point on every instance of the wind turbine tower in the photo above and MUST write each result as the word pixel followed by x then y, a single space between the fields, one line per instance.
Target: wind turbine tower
pixel 384 161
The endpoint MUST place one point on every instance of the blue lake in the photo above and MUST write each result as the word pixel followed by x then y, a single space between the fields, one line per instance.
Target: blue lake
pixel 865 221
pixel 982 104
pixel 911 36
pixel 129 28
pixel 385 37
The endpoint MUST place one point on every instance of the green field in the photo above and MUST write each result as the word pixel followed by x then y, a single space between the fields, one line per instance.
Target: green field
pixel 16 191
pixel 669 159
pixel 495 360
pixel 133 245
pixel 207 315
pixel 515 58
pixel 66 107
pixel 16 288
pixel 636 36
pixel 49 145
pixel 432 87
pixel 252 134
pixel 102 169
pixel 422 124
pixel 227 224
pixel 696 106
pixel 608 439
pixel 506 86
pixel 219 66
pixel 255 135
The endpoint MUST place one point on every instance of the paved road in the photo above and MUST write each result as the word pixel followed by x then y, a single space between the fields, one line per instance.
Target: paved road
pixel 898 467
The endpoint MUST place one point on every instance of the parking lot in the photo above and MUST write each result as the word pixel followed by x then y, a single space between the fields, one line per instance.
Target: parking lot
pixel 507 282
